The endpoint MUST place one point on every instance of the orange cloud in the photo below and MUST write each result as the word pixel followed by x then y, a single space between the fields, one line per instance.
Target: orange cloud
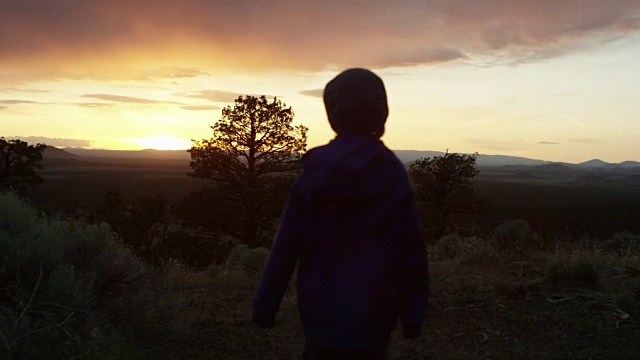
pixel 218 95
pixel 214 95
pixel 547 143
pixel 123 39
pixel 201 107
pixel 95 105
pixel 128 99
pixel 319 93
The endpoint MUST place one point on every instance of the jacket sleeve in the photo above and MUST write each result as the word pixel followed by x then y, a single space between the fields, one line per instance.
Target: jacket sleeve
pixel 415 285
pixel 280 265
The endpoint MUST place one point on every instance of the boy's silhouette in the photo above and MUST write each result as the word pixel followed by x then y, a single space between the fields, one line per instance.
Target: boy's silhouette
pixel 351 227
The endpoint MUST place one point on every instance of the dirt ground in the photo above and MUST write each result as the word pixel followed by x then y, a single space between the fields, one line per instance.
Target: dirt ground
pixel 475 312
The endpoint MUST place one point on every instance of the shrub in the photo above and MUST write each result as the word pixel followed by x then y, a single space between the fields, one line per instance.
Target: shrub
pixel 57 276
pixel 464 249
pixel 214 269
pixel 574 272
pixel 253 260
pixel 236 254
pixel 446 248
pixel 622 243
pixel 516 236
pixel 250 261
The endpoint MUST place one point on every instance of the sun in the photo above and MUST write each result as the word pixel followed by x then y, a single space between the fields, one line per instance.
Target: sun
pixel 163 142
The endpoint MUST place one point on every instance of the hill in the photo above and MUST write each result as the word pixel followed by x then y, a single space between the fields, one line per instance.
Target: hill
pixel 406 156
pixel 630 164
pixel 51 152
pixel 593 163
pixel 131 154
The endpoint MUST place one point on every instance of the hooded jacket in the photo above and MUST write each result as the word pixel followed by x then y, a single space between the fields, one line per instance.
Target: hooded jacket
pixel 351 227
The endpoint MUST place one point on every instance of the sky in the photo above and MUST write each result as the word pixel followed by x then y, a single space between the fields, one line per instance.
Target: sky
pixel 554 80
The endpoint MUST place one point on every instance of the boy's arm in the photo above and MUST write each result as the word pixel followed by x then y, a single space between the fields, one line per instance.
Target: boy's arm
pixel 416 276
pixel 280 265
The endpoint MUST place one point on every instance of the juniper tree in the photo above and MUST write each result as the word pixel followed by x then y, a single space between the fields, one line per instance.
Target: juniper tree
pixel 251 157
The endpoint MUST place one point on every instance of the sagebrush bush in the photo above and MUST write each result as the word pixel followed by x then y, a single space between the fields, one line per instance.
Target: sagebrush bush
pixel 214 269
pixel 446 248
pixel 254 260
pixel 251 261
pixel 516 236
pixel 236 254
pixel 56 278
pixel 573 272
pixel 622 243
pixel 469 249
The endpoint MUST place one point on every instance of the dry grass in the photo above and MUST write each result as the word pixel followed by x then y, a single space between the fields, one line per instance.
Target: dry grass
pixel 490 300
pixel 477 310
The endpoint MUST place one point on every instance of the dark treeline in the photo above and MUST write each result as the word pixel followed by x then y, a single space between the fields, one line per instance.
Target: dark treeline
pixel 192 228
pixel 562 210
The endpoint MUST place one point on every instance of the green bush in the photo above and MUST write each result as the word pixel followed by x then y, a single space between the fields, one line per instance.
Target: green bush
pixel 57 278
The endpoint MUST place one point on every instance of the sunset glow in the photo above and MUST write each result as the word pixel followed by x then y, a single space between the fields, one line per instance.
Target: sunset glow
pixel 554 81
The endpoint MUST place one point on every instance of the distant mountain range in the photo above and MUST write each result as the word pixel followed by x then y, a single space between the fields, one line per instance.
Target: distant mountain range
pixel 406 156
pixel 592 173
pixel 134 154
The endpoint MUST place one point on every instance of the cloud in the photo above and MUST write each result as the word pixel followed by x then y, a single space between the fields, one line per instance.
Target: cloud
pixel 214 95
pixel 119 36
pixel 128 99
pixel 315 92
pixel 22 90
pixel 2 108
pixel 58 142
pixel 95 104
pixel 201 107
pixel 175 73
pixel 411 56
pixel 17 102
pixel 218 95
pixel 586 140
pixel 547 143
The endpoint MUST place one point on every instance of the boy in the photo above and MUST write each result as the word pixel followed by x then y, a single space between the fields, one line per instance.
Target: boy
pixel 351 227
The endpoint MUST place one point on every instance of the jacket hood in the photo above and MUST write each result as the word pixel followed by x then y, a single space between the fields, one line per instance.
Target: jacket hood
pixel 350 167
pixel 356 103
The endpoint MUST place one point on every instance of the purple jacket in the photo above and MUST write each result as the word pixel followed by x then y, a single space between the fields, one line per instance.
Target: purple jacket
pixel 352 228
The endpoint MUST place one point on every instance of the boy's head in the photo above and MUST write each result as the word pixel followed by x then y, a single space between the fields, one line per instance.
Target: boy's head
pixel 356 103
